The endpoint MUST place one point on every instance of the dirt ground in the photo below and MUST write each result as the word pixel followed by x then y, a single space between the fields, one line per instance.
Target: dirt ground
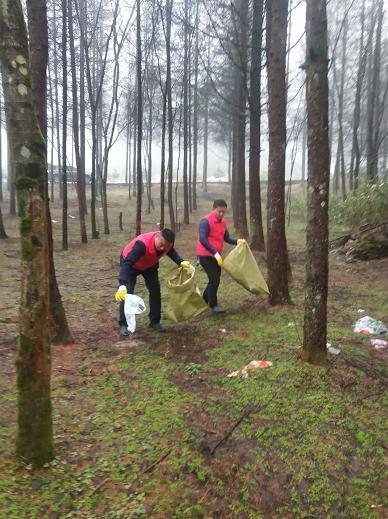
pixel 136 419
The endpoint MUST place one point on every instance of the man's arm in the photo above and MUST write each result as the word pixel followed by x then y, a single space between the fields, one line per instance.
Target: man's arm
pixel 175 256
pixel 204 234
pixel 137 251
pixel 230 239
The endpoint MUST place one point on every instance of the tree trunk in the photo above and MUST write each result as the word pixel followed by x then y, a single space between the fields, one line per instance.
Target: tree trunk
pixel 82 104
pixel 37 22
pixel 3 234
pixel 163 160
pixel 1 150
pixel 34 441
pixel 276 237
pixel 80 172
pixel 139 175
pixel 185 117
pixel 65 244
pixel 373 101
pixel 316 284
pixel 170 115
pixel 257 238
pixel 195 113
pixel 242 24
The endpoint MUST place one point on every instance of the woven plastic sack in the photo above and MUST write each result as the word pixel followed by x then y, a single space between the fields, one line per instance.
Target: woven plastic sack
pixel 241 265
pixel 184 300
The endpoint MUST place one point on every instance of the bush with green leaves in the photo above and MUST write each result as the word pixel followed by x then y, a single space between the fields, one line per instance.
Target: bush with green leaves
pixel 367 204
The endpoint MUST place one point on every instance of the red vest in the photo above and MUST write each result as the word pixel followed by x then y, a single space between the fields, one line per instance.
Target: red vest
pixel 216 235
pixel 151 256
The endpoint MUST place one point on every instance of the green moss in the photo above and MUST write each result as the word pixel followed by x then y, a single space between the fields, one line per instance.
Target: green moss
pixel 23 183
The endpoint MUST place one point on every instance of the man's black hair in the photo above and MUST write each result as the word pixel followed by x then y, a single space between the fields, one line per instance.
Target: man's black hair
pixel 168 235
pixel 219 203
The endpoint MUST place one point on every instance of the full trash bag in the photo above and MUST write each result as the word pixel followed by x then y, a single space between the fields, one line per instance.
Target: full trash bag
pixel 241 265
pixel 184 300
pixel 133 305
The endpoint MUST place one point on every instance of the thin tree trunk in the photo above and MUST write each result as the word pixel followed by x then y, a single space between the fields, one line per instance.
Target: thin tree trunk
pixel 186 217
pixel 139 175
pixel 3 234
pixel 242 23
pixel 80 173
pixel 65 244
pixel 169 4
pixel 316 284
pixel 257 239
pixel 195 114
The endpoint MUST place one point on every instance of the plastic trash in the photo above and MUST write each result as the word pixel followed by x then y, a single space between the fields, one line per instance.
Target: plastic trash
pixel 330 349
pixel 378 344
pixel 369 325
pixel 222 330
pixel 133 305
pixel 360 311
pixel 254 364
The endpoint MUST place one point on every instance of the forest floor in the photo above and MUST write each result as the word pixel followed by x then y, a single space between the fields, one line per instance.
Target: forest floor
pixel 137 419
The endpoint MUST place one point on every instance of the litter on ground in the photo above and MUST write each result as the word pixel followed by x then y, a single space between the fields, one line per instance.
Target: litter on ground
pixel 369 325
pixel 254 364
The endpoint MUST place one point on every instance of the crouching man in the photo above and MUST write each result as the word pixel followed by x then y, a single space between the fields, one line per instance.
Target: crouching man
pixel 142 256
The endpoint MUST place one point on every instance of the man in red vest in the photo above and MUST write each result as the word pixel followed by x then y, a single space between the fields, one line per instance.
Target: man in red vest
pixel 142 256
pixel 212 233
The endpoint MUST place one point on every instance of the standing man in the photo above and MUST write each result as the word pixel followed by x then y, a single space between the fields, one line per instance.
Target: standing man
pixel 142 256
pixel 211 236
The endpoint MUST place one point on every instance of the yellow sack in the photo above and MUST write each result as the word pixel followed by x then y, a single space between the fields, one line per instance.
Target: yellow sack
pixel 184 299
pixel 241 265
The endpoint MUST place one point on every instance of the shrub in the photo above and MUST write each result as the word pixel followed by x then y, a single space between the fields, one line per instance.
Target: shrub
pixel 367 204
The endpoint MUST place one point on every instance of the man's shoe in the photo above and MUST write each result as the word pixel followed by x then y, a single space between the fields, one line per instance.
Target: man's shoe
pixel 217 310
pixel 124 331
pixel 157 327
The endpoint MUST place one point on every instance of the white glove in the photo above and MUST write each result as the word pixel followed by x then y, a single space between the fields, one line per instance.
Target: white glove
pixel 218 258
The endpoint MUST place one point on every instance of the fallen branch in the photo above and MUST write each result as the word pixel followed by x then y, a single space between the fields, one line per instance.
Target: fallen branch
pixel 248 410
pixel 163 457
pixel 103 482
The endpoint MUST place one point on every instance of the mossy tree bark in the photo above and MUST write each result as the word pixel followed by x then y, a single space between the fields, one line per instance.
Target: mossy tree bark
pixel 38 45
pixel 34 434
pixel 316 286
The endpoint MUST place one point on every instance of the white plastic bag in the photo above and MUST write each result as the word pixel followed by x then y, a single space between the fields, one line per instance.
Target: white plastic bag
pixel 133 305
pixel 369 325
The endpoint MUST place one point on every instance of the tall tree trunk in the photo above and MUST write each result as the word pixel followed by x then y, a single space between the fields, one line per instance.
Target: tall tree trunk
pixel 38 41
pixel 139 175
pixel 163 160
pixel 205 141
pixel 80 172
pixel 195 112
pixel 356 155
pixel 276 236
pixel 65 244
pixel 82 104
pixel 373 101
pixel 257 239
pixel 315 312
pixel 242 24
pixel 169 4
pixel 34 441
pixel 1 149
pixel 185 117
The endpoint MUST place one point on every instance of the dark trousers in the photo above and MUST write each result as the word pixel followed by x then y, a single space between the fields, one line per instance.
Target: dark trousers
pixel 213 271
pixel 152 283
